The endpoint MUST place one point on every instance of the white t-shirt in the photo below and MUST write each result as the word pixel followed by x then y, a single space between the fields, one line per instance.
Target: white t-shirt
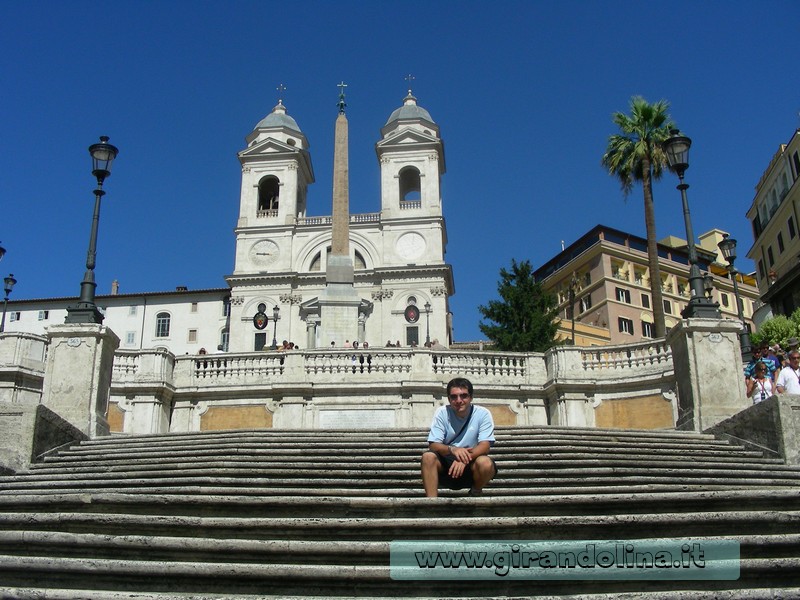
pixel 762 389
pixel 789 380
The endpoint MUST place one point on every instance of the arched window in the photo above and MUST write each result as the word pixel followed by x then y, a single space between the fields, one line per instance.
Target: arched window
pixel 359 262
pixel 410 186
pixel 162 325
pixel 268 192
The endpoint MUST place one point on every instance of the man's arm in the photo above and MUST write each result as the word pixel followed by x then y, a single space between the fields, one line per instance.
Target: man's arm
pixel 780 384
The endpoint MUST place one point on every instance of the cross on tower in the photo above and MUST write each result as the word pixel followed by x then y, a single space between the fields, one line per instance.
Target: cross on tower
pixel 281 88
pixel 409 78
pixel 342 104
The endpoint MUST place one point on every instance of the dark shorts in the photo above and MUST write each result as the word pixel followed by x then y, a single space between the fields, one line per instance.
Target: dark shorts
pixel 462 482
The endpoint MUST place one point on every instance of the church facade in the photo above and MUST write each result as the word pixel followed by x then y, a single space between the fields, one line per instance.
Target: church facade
pixel 400 279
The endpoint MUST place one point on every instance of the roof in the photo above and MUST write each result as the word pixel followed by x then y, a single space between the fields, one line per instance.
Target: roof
pixel 410 111
pixel 278 118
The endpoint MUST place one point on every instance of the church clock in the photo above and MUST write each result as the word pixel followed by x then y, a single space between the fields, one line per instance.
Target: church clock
pixel 264 253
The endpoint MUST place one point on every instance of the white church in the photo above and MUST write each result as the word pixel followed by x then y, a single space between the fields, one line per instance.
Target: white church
pixel 395 286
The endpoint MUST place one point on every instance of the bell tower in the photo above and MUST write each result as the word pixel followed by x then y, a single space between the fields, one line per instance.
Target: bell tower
pixel 411 156
pixel 276 173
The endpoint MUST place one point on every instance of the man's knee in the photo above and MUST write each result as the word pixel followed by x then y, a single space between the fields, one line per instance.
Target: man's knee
pixel 484 466
pixel 430 459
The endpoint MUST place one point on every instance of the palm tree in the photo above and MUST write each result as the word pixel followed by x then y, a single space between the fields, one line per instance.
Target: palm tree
pixel 635 154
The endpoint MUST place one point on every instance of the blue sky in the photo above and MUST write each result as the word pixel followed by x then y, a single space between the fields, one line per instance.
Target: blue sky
pixel 523 93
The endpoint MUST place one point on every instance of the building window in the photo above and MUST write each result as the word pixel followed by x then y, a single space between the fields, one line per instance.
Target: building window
pixel 44 315
pixel 645 300
pixel 639 276
pixel 792 231
pixel 618 271
pixel 770 257
pixel 796 160
pixel 587 278
pixel 586 302
pixel 723 298
pixel 668 307
pixel 647 329
pixel 194 307
pixel 780 242
pixel 623 296
pixel 192 339
pixel 412 336
pixel 162 325
pixel 625 325
pixel 224 339
pixel 226 307
pixel 131 311
pixel 761 271
pixel 15 315
pixel 130 338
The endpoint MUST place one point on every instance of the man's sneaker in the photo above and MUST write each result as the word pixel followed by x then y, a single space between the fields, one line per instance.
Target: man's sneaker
pixel 474 492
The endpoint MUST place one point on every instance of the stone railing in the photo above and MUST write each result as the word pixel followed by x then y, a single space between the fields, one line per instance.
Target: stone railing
pixel 328 219
pixel 22 361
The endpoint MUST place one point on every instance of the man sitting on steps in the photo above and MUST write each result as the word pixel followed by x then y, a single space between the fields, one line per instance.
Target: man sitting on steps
pixel 458 444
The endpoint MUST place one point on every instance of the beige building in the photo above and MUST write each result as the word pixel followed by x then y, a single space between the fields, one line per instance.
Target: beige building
pixel 608 272
pixel 774 216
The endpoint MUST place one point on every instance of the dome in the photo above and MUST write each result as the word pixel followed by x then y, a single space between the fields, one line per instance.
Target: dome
pixel 278 118
pixel 410 111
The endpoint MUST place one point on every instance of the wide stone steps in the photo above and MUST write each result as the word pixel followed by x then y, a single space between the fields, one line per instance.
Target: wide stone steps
pixel 274 514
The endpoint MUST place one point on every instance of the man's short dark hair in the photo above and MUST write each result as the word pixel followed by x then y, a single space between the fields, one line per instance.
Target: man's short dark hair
pixel 460 382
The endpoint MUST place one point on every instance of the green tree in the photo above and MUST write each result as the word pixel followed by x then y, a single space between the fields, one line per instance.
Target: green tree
pixel 777 330
pixel 523 320
pixel 633 155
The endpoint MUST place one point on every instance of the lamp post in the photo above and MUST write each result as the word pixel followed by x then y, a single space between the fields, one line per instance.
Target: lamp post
pixel 86 311
pixel 276 314
pixel 8 285
pixel 573 283
pixel 676 147
pixel 427 324
pixel 728 248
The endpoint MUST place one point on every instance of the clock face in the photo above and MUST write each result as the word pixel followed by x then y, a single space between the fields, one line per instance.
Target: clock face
pixel 410 246
pixel 264 253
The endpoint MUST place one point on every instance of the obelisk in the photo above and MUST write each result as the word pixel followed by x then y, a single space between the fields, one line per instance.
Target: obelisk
pixel 339 302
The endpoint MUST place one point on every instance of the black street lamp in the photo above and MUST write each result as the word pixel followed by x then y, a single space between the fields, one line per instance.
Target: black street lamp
pixel 86 311
pixel 728 248
pixel 8 285
pixel 676 147
pixel 573 283
pixel 276 314
pixel 427 324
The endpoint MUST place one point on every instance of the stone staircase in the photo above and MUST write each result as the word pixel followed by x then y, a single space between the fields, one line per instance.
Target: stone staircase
pixel 304 514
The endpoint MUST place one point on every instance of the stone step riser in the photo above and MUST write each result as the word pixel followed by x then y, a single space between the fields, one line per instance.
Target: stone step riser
pixel 367 581
pixel 712 524
pixel 57 545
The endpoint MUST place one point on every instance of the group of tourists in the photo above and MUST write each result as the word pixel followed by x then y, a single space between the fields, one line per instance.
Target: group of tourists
pixel 773 370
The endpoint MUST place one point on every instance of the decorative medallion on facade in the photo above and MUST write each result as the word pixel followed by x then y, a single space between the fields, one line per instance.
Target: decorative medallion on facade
pixel 438 291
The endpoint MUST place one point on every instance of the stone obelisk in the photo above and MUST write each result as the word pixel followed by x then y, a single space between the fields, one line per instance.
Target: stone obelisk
pixel 339 302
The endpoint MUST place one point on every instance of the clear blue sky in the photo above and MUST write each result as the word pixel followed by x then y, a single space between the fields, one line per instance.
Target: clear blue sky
pixel 523 93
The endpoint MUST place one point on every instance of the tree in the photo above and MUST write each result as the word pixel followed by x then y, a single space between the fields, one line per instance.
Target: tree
pixel 525 315
pixel 633 155
pixel 777 330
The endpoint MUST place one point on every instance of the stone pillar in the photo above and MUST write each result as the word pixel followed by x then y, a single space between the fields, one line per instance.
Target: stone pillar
pixel 707 360
pixel 311 333
pixel 78 374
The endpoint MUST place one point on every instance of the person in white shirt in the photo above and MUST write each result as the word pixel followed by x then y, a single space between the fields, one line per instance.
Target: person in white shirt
pixel 789 379
pixel 759 387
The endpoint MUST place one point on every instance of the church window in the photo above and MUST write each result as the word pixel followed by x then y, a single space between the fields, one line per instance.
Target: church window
pixel 316 263
pixel 268 192
pixel 162 324
pixel 410 186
